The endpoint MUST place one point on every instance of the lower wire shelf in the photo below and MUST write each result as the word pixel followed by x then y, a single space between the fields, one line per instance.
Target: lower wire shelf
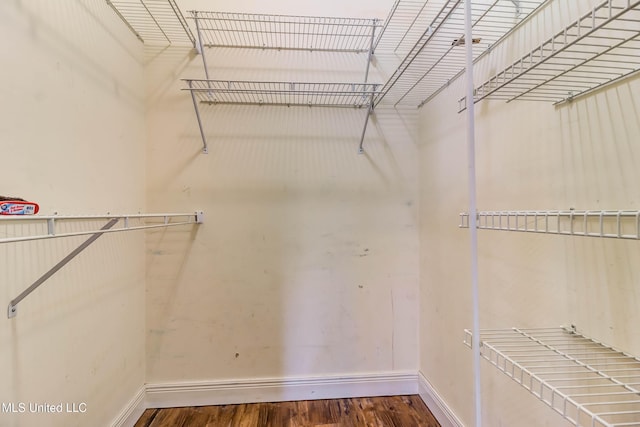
pixel 585 381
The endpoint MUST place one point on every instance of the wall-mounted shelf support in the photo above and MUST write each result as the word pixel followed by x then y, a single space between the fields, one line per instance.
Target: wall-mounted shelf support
pixel 620 224
pixel 366 122
pixel 289 94
pixel 371 51
pixel 585 381
pixel 200 46
pixel 12 310
pixel 205 148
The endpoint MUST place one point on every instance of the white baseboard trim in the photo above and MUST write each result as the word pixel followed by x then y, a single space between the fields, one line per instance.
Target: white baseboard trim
pixel 201 393
pixel 132 412
pixel 436 404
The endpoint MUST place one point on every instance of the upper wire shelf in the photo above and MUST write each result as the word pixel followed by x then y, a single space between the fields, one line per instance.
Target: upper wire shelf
pixel 432 35
pixel 158 22
pixel 612 224
pixel 243 30
pixel 601 47
pixel 353 95
pixel 585 381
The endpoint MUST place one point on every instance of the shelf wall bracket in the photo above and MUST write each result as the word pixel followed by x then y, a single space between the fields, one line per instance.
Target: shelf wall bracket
pixel 366 120
pixel 199 47
pixel 374 23
pixel 205 148
pixel 12 310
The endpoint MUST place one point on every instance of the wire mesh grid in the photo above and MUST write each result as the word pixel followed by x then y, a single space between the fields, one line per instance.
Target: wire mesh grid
pixel 41 227
pixel 354 95
pixel 437 54
pixel 243 30
pixel 154 22
pixel 600 47
pixel 587 382
pixel 612 224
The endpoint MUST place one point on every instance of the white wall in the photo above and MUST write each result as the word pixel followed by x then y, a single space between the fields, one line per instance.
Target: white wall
pixel 530 156
pixel 307 264
pixel 72 139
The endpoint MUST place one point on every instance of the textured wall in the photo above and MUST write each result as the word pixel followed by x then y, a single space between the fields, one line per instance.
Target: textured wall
pixel 72 139
pixel 307 263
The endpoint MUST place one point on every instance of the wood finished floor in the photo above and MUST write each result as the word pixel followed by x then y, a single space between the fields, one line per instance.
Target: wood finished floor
pixel 395 411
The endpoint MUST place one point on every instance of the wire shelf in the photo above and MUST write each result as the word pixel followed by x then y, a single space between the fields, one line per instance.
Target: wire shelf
pixel 435 31
pixel 585 381
pixel 612 224
pixel 353 95
pixel 601 47
pixel 243 30
pixel 154 22
pixel 40 227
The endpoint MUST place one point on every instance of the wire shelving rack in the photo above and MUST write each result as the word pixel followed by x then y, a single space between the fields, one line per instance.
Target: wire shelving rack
pixel 289 94
pixel 432 35
pixel 585 381
pixel 155 22
pixel 41 227
pixel 350 95
pixel 599 48
pixel 284 32
pixel 620 224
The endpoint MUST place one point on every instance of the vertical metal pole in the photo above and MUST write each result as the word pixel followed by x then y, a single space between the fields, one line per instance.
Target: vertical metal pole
pixel 200 48
pixel 369 111
pixel 373 36
pixel 473 226
pixel 205 149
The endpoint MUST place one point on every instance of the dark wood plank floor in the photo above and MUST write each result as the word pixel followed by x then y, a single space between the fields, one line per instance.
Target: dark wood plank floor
pixel 395 411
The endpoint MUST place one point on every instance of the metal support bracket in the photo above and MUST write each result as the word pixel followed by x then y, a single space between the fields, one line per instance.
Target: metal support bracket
pixel 12 310
pixel 370 55
pixel 199 46
pixel 366 122
pixel 517 5
pixel 205 148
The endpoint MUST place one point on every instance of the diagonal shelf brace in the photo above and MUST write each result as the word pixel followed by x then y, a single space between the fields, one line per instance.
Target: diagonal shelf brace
pixel 366 120
pixel 13 309
pixel 374 23
pixel 205 148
